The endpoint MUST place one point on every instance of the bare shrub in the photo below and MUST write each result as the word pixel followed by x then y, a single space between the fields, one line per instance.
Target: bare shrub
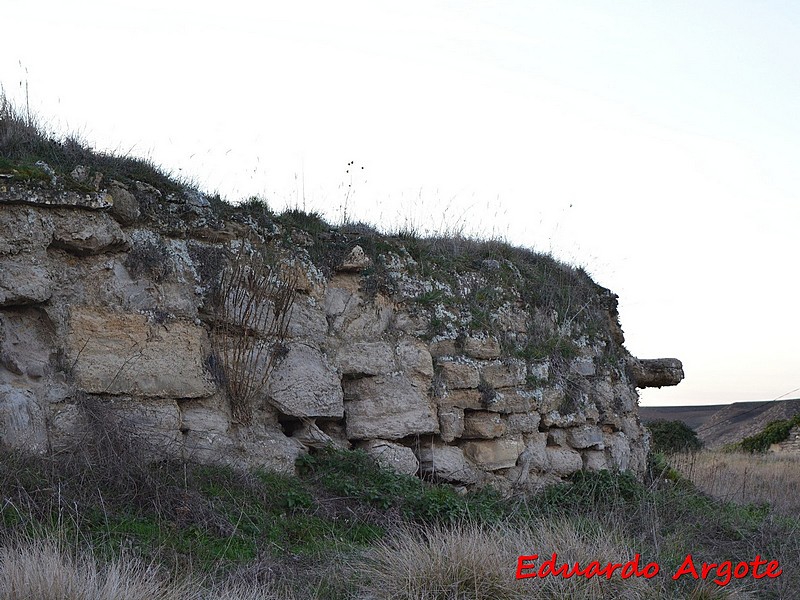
pixel 252 306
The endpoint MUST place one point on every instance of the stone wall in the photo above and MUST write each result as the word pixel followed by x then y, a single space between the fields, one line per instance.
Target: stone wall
pixel 790 444
pixel 459 362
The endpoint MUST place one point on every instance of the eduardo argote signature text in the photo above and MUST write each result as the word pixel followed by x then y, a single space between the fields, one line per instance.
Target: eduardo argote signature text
pixel 721 573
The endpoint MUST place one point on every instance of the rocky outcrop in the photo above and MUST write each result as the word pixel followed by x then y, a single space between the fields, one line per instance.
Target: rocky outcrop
pixel 497 367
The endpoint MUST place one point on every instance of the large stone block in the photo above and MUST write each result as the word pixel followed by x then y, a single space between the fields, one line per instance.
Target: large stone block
pixel 459 375
pixel 414 357
pixel 24 280
pixel 392 456
pixel 451 423
pixel 24 229
pixel 585 436
pixel 304 384
pixel 481 346
pixel 483 425
pixel 87 233
pixel 22 421
pixel 563 461
pixel 506 373
pixel 446 463
pixel 387 407
pixel 365 358
pixel 122 353
pixel 491 455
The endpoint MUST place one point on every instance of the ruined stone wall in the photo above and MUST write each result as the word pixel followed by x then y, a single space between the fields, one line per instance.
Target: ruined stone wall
pixel 790 444
pixel 465 363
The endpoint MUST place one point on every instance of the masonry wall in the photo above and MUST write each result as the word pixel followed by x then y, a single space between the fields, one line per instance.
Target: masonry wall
pixel 456 361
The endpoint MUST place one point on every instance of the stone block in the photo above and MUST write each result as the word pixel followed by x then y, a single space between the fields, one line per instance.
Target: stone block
pixel 122 353
pixel 387 407
pixel 392 456
pixel 24 280
pixel 506 373
pixel 585 436
pixel 446 463
pixel 490 455
pixel 459 375
pixel 523 423
pixel 451 423
pixel 483 425
pixel 365 358
pixel 305 384
pixel 563 461
pixel 85 234
pixel 482 347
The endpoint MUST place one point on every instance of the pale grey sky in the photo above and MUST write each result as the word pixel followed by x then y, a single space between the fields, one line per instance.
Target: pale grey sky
pixel 653 143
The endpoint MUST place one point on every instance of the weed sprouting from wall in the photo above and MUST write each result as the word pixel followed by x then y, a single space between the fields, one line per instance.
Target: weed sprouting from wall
pixel 252 306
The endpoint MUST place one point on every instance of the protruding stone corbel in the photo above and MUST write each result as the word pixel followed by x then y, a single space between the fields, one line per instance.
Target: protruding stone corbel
pixel 656 372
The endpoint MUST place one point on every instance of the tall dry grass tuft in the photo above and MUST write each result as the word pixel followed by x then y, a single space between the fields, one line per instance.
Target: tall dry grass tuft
pixel 478 562
pixel 46 570
pixel 745 478
pixel 49 570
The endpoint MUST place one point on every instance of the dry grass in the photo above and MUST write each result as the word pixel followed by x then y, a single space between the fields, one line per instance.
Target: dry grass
pixel 474 562
pixel 745 478
pixel 49 570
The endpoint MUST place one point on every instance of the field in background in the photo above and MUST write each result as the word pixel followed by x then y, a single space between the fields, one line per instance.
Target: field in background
pixel 745 478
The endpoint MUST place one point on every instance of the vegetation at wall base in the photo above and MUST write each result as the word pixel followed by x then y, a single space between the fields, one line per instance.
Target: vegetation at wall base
pixel 343 511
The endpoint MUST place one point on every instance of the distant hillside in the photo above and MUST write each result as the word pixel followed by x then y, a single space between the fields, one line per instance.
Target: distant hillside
pixel 717 425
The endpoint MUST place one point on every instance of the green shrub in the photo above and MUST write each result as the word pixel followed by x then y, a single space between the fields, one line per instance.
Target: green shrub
pixel 673 436
pixel 774 433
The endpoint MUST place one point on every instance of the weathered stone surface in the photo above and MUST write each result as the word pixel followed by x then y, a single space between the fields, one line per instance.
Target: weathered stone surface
pixel 443 347
pixel 471 399
pixel 583 365
pixel 365 358
pixel 87 234
pixel 205 416
pixel 514 401
pixel 414 357
pixel 22 422
pixel 356 260
pixel 523 423
pixel 482 347
pixel 304 384
pixel 125 208
pixel 491 455
pixel 312 436
pixel 506 373
pixel 387 407
pixel 21 194
pixel 483 425
pixel 459 375
pixel 347 313
pixel 618 450
pixel 23 281
pixel 539 370
pixel 24 229
pixel 656 372
pixel 594 460
pixel 392 456
pixel 563 461
pixel 451 423
pixel 446 463
pixel 585 436
pixel 122 353
pixel 307 320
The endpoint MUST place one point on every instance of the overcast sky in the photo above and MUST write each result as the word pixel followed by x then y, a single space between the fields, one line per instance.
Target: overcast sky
pixel 656 144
